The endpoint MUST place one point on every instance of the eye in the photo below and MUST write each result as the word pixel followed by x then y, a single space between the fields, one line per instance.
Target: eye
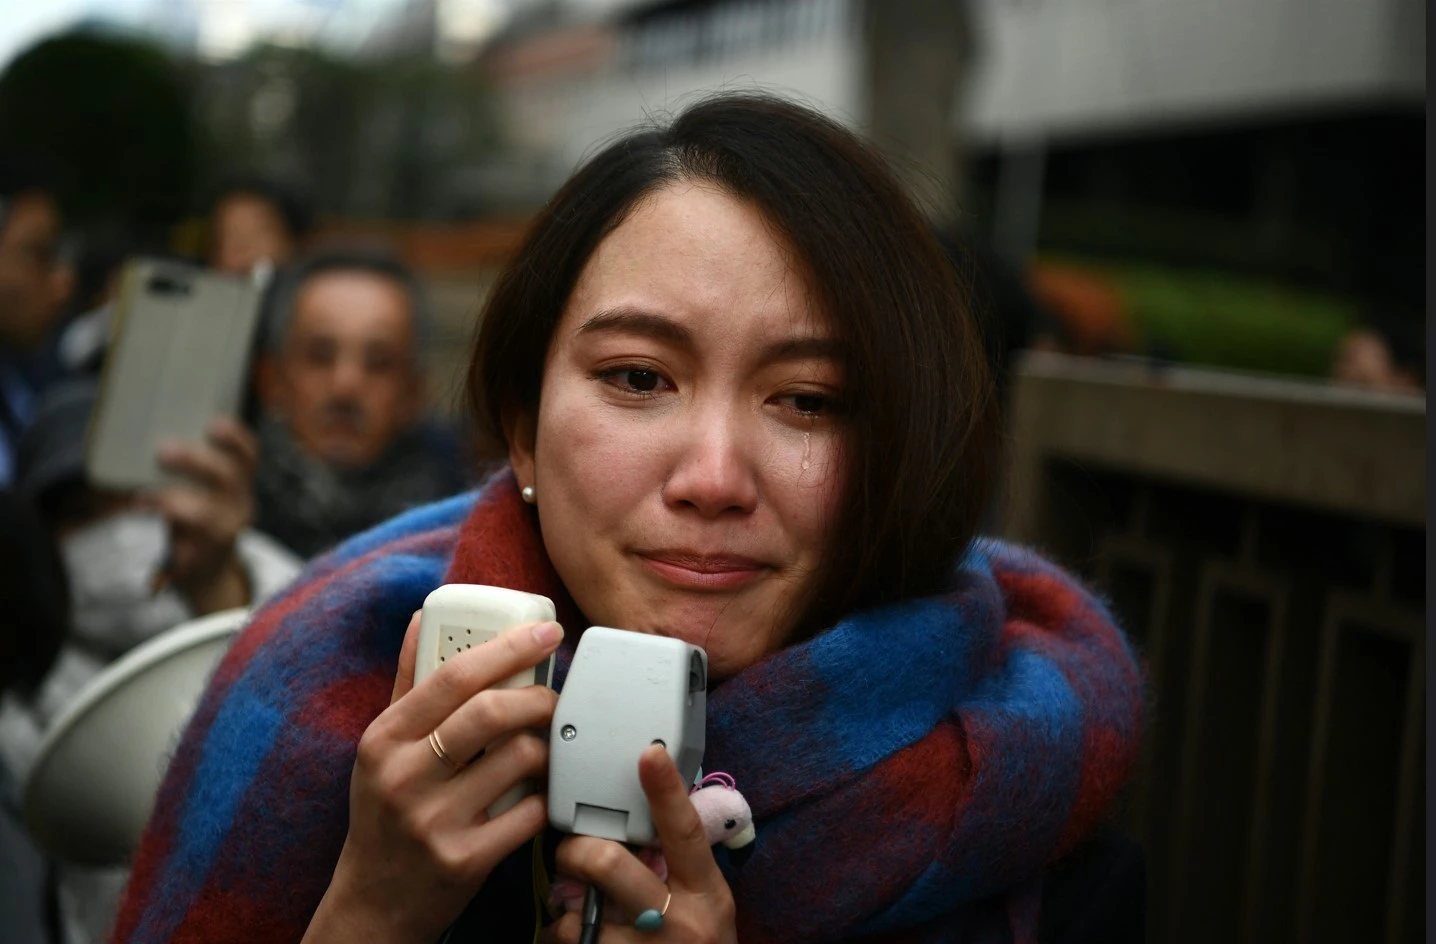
pixel 644 381
pixel 811 404
pixel 729 823
pixel 639 381
pixel 319 353
pixel 381 361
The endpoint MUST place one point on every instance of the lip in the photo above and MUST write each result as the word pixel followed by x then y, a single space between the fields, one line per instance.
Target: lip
pixel 692 571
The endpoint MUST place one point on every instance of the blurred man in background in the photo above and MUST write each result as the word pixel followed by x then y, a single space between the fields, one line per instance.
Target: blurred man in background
pixel 33 287
pixel 343 442
pixel 253 221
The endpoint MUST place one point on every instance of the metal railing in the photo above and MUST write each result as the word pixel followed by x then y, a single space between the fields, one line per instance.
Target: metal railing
pixel 1264 542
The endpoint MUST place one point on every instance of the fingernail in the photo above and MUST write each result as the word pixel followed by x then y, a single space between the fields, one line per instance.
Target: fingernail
pixel 548 634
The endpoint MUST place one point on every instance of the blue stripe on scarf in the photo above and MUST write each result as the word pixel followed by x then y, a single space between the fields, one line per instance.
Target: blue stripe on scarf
pixel 397 586
pixel 241 736
pixel 912 674
pixel 1039 715
pixel 921 669
pixel 450 511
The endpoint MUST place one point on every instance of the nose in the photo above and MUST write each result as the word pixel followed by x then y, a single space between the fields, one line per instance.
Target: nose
pixel 714 472
pixel 347 377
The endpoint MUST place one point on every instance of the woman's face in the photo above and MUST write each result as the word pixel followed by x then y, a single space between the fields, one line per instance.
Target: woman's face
pixel 686 454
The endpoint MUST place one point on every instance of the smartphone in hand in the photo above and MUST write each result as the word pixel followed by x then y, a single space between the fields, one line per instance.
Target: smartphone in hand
pixel 179 357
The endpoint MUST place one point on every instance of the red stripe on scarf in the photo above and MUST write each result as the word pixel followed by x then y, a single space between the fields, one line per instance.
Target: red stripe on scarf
pixel 259 631
pixel 346 708
pixel 1108 752
pixel 499 545
pixel 147 866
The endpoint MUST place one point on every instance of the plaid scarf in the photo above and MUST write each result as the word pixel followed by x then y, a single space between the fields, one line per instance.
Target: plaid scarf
pixel 911 770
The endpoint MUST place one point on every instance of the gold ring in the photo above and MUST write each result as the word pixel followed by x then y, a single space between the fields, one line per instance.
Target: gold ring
pixel 442 754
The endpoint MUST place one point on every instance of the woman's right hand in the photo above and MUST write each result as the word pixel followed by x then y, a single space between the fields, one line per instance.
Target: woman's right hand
pixel 420 843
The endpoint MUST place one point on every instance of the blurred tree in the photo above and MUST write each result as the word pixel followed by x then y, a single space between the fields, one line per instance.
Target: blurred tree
pixel 109 116
pixel 386 137
pixel 295 114
pixel 445 124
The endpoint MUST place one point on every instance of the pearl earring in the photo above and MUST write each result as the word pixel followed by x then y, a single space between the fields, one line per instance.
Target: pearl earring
pixel 528 494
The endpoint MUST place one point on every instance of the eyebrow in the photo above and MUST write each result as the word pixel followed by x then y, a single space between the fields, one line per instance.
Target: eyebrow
pixel 636 321
pixel 803 349
pixel 639 322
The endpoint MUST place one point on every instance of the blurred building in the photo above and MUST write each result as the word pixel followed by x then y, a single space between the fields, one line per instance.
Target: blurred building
pixel 1063 76
pixel 570 75
pixel 1058 69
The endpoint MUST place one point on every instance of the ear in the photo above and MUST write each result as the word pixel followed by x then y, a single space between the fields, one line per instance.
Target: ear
pixel 62 286
pixel 521 431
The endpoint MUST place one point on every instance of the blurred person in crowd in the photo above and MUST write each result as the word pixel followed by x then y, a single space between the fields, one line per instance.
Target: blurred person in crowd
pixel 98 265
pixel 1384 354
pixel 33 286
pixel 343 443
pixel 128 567
pixel 136 563
pixel 253 220
pixel 32 628
pixel 133 565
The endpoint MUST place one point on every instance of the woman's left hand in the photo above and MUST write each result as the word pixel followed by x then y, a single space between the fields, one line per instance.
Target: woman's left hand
pixel 701 909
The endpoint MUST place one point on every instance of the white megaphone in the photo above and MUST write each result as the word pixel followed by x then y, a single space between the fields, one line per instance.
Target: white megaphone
pixel 92 787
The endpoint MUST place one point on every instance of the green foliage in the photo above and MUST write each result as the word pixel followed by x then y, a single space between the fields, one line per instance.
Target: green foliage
pixel 291 113
pixel 135 137
pixel 109 117
pixel 1205 317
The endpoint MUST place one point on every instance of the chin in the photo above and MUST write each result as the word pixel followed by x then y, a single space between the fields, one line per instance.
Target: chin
pixel 345 454
pixel 714 627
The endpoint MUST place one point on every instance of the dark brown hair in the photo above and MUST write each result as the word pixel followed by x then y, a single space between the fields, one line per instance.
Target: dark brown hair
pixel 922 439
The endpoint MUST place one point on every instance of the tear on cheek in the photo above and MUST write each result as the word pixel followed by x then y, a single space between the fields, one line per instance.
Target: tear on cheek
pixel 816 470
